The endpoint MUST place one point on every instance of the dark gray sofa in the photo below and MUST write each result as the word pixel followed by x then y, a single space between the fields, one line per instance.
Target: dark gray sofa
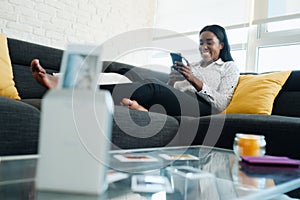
pixel 19 123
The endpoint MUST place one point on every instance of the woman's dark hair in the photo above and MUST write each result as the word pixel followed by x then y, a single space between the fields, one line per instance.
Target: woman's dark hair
pixel 219 31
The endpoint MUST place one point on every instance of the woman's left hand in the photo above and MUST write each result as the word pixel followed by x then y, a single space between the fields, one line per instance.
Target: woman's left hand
pixel 186 71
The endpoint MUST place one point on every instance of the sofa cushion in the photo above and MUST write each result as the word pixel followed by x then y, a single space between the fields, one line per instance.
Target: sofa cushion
pixel 287 101
pixel 255 94
pixel 19 127
pixel 21 54
pixel 138 129
pixel 7 84
pixel 287 104
pixel 27 86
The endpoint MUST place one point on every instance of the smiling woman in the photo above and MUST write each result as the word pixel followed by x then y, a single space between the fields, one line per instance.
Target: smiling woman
pixel 196 89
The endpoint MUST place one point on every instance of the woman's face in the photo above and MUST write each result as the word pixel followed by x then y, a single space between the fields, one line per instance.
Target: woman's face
pixel 210 46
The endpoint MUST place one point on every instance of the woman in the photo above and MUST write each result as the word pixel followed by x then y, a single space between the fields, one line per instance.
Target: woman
pixel 198 89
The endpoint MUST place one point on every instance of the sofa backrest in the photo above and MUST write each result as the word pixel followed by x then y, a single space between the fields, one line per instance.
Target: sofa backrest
pixel 287 102
pixel 21 55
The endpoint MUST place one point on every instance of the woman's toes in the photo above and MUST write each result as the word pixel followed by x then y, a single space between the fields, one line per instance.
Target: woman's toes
pixel 132 104
pixel 126 102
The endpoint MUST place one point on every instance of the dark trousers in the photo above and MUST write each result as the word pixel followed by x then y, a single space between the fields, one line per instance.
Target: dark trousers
pixel 157 96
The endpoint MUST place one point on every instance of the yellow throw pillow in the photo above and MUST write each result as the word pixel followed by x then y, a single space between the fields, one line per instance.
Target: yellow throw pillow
pixel 7 84
pixel 255 94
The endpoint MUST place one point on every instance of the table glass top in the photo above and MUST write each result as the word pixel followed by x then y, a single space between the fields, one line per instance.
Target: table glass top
pixel 232 179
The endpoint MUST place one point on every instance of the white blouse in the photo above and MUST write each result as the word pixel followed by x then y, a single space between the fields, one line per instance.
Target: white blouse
pixel 219 82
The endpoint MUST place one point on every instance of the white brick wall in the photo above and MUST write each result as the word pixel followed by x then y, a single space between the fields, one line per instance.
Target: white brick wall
pixel 58 22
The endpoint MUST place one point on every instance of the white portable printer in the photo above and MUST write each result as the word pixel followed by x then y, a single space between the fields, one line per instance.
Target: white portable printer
pixel 75 127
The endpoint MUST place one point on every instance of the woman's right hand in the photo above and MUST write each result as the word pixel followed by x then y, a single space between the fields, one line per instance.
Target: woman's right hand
pixel 175 76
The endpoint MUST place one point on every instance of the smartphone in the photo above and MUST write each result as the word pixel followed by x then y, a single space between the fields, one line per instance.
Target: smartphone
pixel 176 57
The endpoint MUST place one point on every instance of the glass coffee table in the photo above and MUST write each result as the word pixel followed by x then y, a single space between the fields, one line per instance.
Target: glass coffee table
pixel 232 179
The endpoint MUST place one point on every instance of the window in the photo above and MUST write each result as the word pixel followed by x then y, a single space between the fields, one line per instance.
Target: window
pixel 283 25
pixel 278 58
pixel 237 38
pixel 239 57
pixel 264 34
pixel 278 36
pixel 187 18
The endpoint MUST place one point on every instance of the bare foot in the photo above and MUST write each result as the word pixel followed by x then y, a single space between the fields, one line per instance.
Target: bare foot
pixel 132 104
pixel 40 75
